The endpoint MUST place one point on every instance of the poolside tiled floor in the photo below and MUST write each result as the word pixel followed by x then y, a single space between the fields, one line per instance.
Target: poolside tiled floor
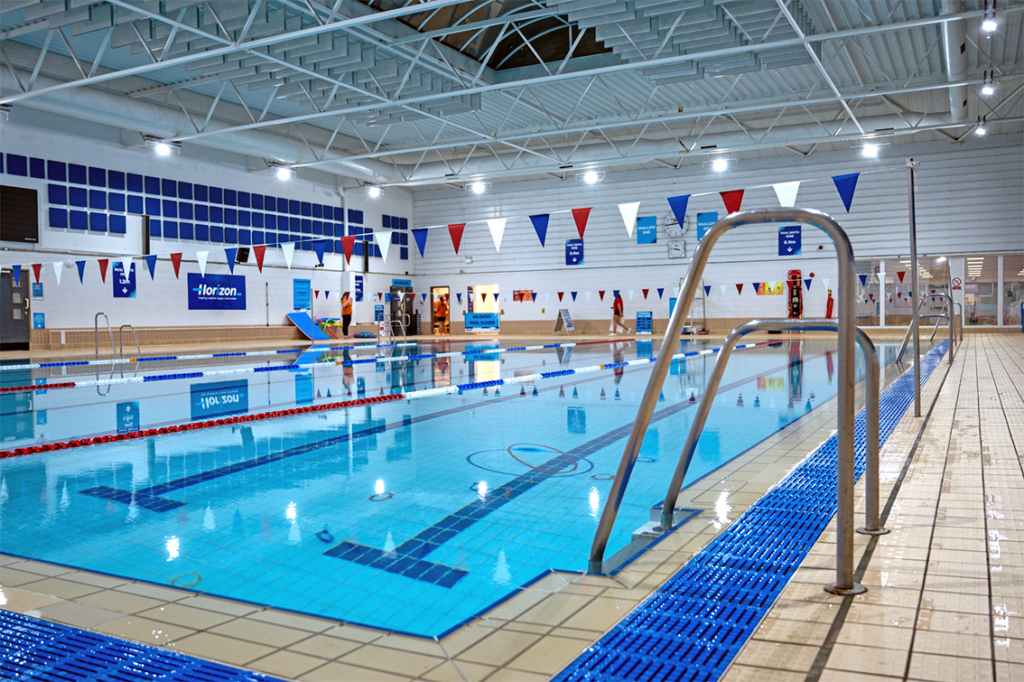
pixel 944 594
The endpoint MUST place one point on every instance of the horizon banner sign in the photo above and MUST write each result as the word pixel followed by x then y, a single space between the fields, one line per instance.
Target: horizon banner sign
pixel 216 292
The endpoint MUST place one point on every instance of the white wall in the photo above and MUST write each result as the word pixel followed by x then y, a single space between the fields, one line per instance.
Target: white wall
pixel 968 201
pixel 164 302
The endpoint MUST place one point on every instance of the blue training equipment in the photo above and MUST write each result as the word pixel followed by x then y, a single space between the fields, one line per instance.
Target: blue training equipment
pixel 305 324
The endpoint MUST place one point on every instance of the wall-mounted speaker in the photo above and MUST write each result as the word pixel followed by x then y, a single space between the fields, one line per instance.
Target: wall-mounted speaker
pixel 243 254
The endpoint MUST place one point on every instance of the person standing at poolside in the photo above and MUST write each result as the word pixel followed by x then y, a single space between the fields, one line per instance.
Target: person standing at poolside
pixel 346 313
pixel 441 314
pixel 618 310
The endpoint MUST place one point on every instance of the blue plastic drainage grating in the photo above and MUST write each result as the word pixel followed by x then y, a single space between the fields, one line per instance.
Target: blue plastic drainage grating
pixel 32 649
pixel 693 626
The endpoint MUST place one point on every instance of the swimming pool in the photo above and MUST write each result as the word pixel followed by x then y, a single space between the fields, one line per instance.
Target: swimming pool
pixel 407 515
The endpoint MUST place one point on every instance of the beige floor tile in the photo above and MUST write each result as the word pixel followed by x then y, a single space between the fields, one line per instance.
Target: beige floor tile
pixel 508 675
pixel 792 631
pixel 549 655
pixel 197 619
pixel 324 647
pixel 392 660
pixel 43 568
pixel 229 608
pixel 829 675
pixel 948 644
pixel 532 628
pixel 13 577
pixel 143 630
pixel 875 636
pixel 943 668
pixel 600 614
pixel 888 615
pixel 778 656
pixel 465 637
pixel 257 631
pixel 21 601
pixel 514 607
pixel 555 609
pixel 65 589
pixel 340 672
pixel 222 649
pixel 120 601
pixel 154 591
pixel 104 581
pixel 948 621
pixel 498 648
pixel 78 615
pixel 748 673
pixel 870 661
pixel 464 671
pixel 292 620
pixel 286 664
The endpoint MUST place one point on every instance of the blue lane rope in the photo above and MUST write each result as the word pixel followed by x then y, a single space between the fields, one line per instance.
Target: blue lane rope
pixel 696 623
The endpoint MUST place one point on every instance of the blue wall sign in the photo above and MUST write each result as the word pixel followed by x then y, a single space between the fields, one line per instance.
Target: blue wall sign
pixel 39 320
pixel 302 294
pixel 303 389
pixel 483 322
pixel 37 289
pixel 401 283
pixel 359 288
pixel 128 417
pixel 704 223
pixel 574 252
pixel 647 230
pixel 671 306
pixel 219 399
pixel 124 285
pixel 644 322
pixel 378 313
pixel 789 240
pixel 216 292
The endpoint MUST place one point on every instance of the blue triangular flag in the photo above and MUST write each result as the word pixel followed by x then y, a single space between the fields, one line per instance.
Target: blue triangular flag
pixel 661 292
pixel 387 297
pixel 757 287
pixel 420 236
pixel 678 205
pixel 846 184
pixel 707 291
pixel 151 263
pixel 863 280
pixel 231 253
pixel 574 295
pixel 616 293
pixel 459 296
pixel 423 298
pixel 327 295
pixel 540 225
pixel 16 275
pixel 81 271
pixel 807 283
pixel 319 247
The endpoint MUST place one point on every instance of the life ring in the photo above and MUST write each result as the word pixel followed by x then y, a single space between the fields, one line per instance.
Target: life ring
pixel 380 497
pixel 174 580
pixel 603 477
pixel 575 462
pixel 325 536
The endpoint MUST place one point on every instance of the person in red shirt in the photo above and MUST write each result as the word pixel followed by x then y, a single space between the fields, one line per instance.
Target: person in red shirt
pixel 441 315
pixel 618 310
pixel 346 314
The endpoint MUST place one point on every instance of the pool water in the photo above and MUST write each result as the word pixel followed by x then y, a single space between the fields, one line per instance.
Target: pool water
pixel 411 516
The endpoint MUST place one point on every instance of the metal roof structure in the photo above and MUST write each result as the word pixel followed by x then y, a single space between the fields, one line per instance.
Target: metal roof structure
pixel 449 91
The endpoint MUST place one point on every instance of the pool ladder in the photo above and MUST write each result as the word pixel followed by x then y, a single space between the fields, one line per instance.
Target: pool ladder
pixel 944 314
pixel 110 335
pixel 848 337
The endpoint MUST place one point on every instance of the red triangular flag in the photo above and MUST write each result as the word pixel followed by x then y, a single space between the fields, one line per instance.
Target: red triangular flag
pixel 455 231
pixel 380 296
pixel 646 291
pixel 484 296
pixel 260 251
pixel 103 267
pixel 581 215
pixel 316 293
pixel 739 288
pixel 732 200
pixel 900 275
pixel 601 294
pixel 176 262
pixel 347 244
pixel 37 268
pixel 560 294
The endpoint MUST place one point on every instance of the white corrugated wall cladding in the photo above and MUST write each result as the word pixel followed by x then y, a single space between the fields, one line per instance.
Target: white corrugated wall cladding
pixel 970 199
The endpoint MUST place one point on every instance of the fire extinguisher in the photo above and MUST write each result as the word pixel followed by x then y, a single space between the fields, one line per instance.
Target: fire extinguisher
pixel 828 305
pixel 796 301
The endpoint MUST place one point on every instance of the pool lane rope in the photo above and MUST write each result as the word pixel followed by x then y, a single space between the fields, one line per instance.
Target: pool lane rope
pixel 279 368
pixel 207 356
pixel 345 404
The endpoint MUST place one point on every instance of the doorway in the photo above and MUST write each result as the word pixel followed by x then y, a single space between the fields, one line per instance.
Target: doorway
pixel 15 311
pixel 401 307
pixel 437 296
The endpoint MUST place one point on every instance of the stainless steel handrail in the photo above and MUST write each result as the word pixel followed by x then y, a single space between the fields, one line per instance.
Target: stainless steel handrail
pixel 916 314
pixel 96 333
pixel 871 512
pixel 845 435
pixel 120 339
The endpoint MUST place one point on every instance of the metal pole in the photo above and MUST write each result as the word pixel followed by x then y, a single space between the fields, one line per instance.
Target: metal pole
pixel 846 380
pixel 912 214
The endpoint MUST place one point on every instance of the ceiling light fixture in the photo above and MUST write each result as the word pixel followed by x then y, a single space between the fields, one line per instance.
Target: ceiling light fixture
pixel 988 89
pixel 373 191
pixel 479 187
pixel 285 173
pixel 870 151
pixel 162 149
pixel 720 165
pixel 980 130
pixel 590 177
pixel 940 259
pixel 988 24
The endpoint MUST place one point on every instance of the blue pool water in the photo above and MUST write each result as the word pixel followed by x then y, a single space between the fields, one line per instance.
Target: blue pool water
pixel 409 515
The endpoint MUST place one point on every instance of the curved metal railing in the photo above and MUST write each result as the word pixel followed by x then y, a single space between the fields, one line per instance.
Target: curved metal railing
pixel 872 381
pixel 120 339
pixel 96 333
pixel 917 313
pixel 845 327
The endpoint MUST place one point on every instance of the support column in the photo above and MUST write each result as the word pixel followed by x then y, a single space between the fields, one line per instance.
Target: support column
pixel 999 294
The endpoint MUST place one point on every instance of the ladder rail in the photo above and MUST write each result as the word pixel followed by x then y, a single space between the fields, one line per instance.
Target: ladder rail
pixel 96 333
pixel 120 339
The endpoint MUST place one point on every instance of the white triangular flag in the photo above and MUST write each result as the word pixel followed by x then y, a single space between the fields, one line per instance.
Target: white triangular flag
pixel 630 292
pixel 508 297
pixel 383 240
pixel 547 295
pixel 880 276
pixel 722 287
pixel 628 212
pixel 436 296
pixel 399 294
pixel 57 267
pixel 497 228
pixel 202 256
pixel 587 294
pixel 786 192
pixel 288 248
pixel 826 279
pixel 675 291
